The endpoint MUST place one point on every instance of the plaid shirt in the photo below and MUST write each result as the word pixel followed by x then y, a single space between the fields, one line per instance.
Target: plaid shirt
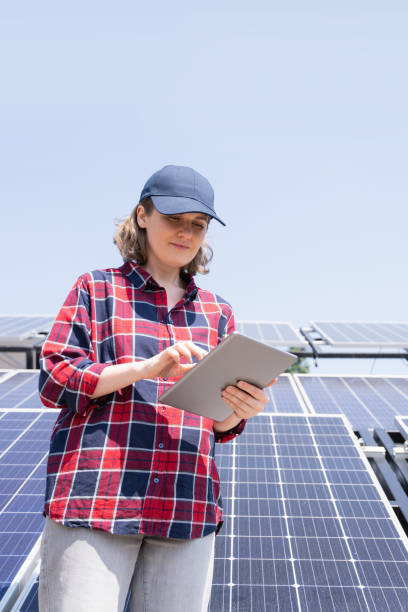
pixel 124 463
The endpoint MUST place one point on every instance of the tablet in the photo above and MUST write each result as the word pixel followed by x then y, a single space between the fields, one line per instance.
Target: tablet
pixel 235 358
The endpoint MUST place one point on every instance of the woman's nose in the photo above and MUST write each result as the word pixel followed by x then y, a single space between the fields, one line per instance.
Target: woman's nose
pixel 185 229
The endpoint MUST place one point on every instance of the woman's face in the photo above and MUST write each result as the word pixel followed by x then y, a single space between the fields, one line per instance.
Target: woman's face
pixel 164 232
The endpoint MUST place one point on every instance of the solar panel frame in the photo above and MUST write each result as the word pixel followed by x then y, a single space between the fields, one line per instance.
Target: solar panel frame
pixel 347 341
pixel 402 425
pixel 5 373
pixel 22 577
pixel 27 600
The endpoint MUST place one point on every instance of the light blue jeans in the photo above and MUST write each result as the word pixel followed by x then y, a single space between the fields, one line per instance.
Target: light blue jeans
pixel 89 570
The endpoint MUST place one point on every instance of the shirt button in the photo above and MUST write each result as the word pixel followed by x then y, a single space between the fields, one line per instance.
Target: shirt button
pixel 165 378
pixel 161 444
pixel 156 480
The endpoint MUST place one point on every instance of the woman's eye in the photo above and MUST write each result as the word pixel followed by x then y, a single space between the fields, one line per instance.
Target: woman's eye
pixel 196 224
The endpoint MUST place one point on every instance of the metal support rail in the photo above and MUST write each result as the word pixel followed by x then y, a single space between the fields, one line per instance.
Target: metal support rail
pixel 387 471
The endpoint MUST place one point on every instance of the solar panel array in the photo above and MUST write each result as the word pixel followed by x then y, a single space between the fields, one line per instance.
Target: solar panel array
pixel 307 526
pixel 367 401
pixel 363 334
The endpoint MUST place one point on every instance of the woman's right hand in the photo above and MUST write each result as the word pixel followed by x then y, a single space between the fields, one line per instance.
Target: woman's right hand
pixel 166 363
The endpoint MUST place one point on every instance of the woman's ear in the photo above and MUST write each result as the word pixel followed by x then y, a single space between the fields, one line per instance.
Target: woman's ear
pixel 140 216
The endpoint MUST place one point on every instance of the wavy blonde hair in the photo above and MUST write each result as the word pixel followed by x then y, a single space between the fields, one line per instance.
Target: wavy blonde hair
pixel 130 239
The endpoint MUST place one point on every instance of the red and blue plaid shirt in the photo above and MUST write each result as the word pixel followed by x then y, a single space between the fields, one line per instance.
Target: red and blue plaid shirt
pixel 124 463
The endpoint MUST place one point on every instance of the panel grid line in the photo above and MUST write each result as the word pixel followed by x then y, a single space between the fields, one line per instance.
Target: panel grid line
pixel 234 443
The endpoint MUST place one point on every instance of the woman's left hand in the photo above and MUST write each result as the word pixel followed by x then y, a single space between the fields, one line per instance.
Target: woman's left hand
pixel 245 399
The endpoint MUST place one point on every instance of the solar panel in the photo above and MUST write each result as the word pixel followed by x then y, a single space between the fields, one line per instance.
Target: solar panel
pixel 308 527
pixel 363 334
pixel 367 401
pixel 272 333
pixel 19 327
pixel 24 445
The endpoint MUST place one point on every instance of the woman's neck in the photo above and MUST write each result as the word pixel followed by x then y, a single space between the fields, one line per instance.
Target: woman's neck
pixel 165 277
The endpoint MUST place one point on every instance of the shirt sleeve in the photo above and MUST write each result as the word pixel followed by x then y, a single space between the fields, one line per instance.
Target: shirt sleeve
pixel 68 370
pixel 227 327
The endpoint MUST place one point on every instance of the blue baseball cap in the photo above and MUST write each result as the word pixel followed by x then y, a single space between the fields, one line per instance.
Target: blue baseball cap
pixel 180 189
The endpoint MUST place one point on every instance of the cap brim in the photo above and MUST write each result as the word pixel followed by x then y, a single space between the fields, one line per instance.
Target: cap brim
pixel 171 205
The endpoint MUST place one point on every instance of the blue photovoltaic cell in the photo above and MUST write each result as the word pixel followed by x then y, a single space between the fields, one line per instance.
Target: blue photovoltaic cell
pixel 365 401
pixel 363 334
pixel 24 445
pixel 306 526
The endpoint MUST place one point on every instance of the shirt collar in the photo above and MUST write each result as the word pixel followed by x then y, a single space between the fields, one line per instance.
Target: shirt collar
pixel 143 280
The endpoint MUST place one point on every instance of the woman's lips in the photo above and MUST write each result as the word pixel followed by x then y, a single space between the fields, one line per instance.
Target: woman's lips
pixel 179 246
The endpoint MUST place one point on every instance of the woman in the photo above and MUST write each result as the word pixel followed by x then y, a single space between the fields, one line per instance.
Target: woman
pixel 132 492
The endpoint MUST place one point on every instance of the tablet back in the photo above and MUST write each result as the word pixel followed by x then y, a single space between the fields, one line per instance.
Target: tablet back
pixel 237 357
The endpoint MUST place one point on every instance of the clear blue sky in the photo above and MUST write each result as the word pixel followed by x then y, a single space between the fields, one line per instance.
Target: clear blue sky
pixel 296 112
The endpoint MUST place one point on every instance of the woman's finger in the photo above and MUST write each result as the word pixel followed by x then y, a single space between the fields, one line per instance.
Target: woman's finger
pixel 238 398
pixel 250 389
pixel 183 350
pixel 173 353
pixel 187 348
pixel 196 350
